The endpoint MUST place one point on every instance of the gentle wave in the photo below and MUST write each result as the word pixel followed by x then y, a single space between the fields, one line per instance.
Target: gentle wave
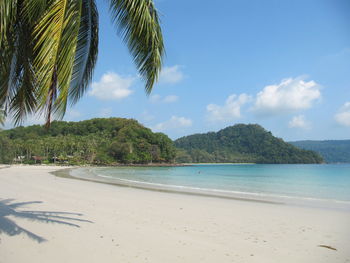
pixel 228 192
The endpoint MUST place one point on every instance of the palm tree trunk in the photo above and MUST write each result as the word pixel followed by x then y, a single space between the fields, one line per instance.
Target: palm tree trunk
pixel 51 97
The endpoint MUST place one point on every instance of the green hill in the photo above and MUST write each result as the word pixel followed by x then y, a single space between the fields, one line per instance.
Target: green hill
pixel 98 141
pixel 241 143
pixel 333 151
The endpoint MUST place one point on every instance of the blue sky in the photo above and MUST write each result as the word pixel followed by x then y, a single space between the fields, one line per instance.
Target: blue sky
pixel 282 64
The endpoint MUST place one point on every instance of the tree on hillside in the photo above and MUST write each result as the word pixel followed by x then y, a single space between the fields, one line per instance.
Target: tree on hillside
pixel 48 50
pixel 96 141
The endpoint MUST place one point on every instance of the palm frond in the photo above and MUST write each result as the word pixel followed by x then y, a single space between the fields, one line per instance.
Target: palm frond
pixel 8 22
pixel 48 50
pixel 56 40
pixel 8 15
pixel 138 23
pixel 86 51
pixel 17 87
pixel 2 117
pixel 22 82
pixel 33 10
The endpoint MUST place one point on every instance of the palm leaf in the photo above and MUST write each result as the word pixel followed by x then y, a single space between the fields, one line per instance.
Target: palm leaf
pixel 86 51
pixel 56 40
pixel 138 23
pixel 8 22
pixel 22 81
pixel 48 50
pixel 8 12
pixel 2 117
pixel 17 88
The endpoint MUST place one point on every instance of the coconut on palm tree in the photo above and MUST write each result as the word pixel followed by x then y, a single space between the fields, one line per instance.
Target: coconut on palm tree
pixel 48 50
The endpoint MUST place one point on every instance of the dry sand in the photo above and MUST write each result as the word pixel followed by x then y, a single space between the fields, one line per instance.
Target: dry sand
pixel 120 224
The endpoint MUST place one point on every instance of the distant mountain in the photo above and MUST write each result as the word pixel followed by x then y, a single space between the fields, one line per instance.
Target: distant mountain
pixel 333 151
pixel 241 143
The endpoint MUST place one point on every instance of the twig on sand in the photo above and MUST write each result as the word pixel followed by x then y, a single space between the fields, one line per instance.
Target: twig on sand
pixel 329 247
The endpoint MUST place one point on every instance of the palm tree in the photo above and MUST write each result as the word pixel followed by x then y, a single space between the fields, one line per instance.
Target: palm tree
pixel 48 50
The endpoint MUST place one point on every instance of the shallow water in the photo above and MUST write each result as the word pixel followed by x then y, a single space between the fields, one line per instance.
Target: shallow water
pixel 326 182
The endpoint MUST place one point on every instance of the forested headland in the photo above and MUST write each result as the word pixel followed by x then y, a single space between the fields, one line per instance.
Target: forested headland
pixel 95 141
pixel 241 143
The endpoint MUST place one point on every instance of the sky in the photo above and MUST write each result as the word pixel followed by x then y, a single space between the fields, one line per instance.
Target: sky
pixel 282 64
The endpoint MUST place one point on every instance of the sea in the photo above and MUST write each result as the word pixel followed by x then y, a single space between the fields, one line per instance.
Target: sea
pixel 316 185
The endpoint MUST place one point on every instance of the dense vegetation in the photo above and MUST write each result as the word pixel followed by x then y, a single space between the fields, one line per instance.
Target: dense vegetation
pixel 97 141
pixel 241 143
pixel 125 141
pixel 333 151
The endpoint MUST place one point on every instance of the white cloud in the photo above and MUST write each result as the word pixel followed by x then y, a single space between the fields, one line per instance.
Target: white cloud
pixel 32 119
pixel 36 119
pixel 171 75
pixel 299 122
pixel 167 99
pixel 105 112
pixel 72 115
pixel 40 119
pixel 170 99
pixel 173 123
pixel 155 98
pixel 146 116
pixel 230 110
pixel 112 87
pixel 343 115
pixel 289 96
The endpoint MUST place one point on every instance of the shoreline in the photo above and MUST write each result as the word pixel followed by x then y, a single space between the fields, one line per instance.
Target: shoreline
pixel 65 173
pixel 309 202
pixel 44 212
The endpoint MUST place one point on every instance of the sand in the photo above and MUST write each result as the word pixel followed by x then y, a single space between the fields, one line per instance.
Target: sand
pixel 44 218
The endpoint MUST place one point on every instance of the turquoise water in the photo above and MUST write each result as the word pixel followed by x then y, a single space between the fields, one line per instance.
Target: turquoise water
pixel 320 182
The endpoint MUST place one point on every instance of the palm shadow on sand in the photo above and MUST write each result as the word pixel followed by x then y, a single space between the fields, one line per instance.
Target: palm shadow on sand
pixel 9 208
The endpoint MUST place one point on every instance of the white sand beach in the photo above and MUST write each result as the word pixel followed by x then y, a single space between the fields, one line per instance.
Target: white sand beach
pixel 44 218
